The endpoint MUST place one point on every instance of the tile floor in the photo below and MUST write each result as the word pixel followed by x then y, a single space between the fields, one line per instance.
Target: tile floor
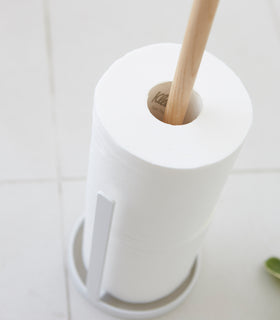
pixel 52 54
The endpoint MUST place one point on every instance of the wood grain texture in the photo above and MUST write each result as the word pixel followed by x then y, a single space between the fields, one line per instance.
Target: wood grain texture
pixel 195 39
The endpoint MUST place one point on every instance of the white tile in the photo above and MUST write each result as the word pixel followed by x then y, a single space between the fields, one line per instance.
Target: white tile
pixel 31 269
pixel 26 141
pixel 74 131
pixel 275 7
pixel 233 283
pixel 73 196
pixel 245 37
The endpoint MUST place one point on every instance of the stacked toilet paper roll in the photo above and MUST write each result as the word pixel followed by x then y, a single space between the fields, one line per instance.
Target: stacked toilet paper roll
pixel 165 180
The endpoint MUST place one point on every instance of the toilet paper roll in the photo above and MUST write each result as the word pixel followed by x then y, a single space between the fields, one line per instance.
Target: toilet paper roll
pixel 164 179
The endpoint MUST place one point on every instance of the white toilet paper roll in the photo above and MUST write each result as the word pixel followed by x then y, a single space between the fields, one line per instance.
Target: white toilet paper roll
pixel 164 179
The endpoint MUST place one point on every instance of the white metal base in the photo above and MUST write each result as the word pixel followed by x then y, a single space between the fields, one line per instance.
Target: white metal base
pixel 114 306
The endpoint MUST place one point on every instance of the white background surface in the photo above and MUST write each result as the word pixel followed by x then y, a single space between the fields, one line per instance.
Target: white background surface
pixel 52 53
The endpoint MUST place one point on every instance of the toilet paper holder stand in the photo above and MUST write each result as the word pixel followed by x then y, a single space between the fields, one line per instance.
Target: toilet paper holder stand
pixel 89 282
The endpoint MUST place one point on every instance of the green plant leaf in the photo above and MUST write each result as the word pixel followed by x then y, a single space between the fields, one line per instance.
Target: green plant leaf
pixel 273 266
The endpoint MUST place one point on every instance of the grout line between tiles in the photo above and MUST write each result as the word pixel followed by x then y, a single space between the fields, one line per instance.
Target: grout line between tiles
pixel 42 180
pixel 275 17
pixel 49 49
pixel 68 179
pixel 22 181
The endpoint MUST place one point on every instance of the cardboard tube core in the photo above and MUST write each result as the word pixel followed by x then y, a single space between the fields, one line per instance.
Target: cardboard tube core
pixel 157 100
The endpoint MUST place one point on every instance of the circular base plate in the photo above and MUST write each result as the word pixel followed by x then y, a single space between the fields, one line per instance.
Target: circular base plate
pixel 114 306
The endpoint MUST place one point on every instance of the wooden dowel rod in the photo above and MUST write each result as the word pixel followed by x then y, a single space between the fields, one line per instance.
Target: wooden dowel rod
pixel 195 39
